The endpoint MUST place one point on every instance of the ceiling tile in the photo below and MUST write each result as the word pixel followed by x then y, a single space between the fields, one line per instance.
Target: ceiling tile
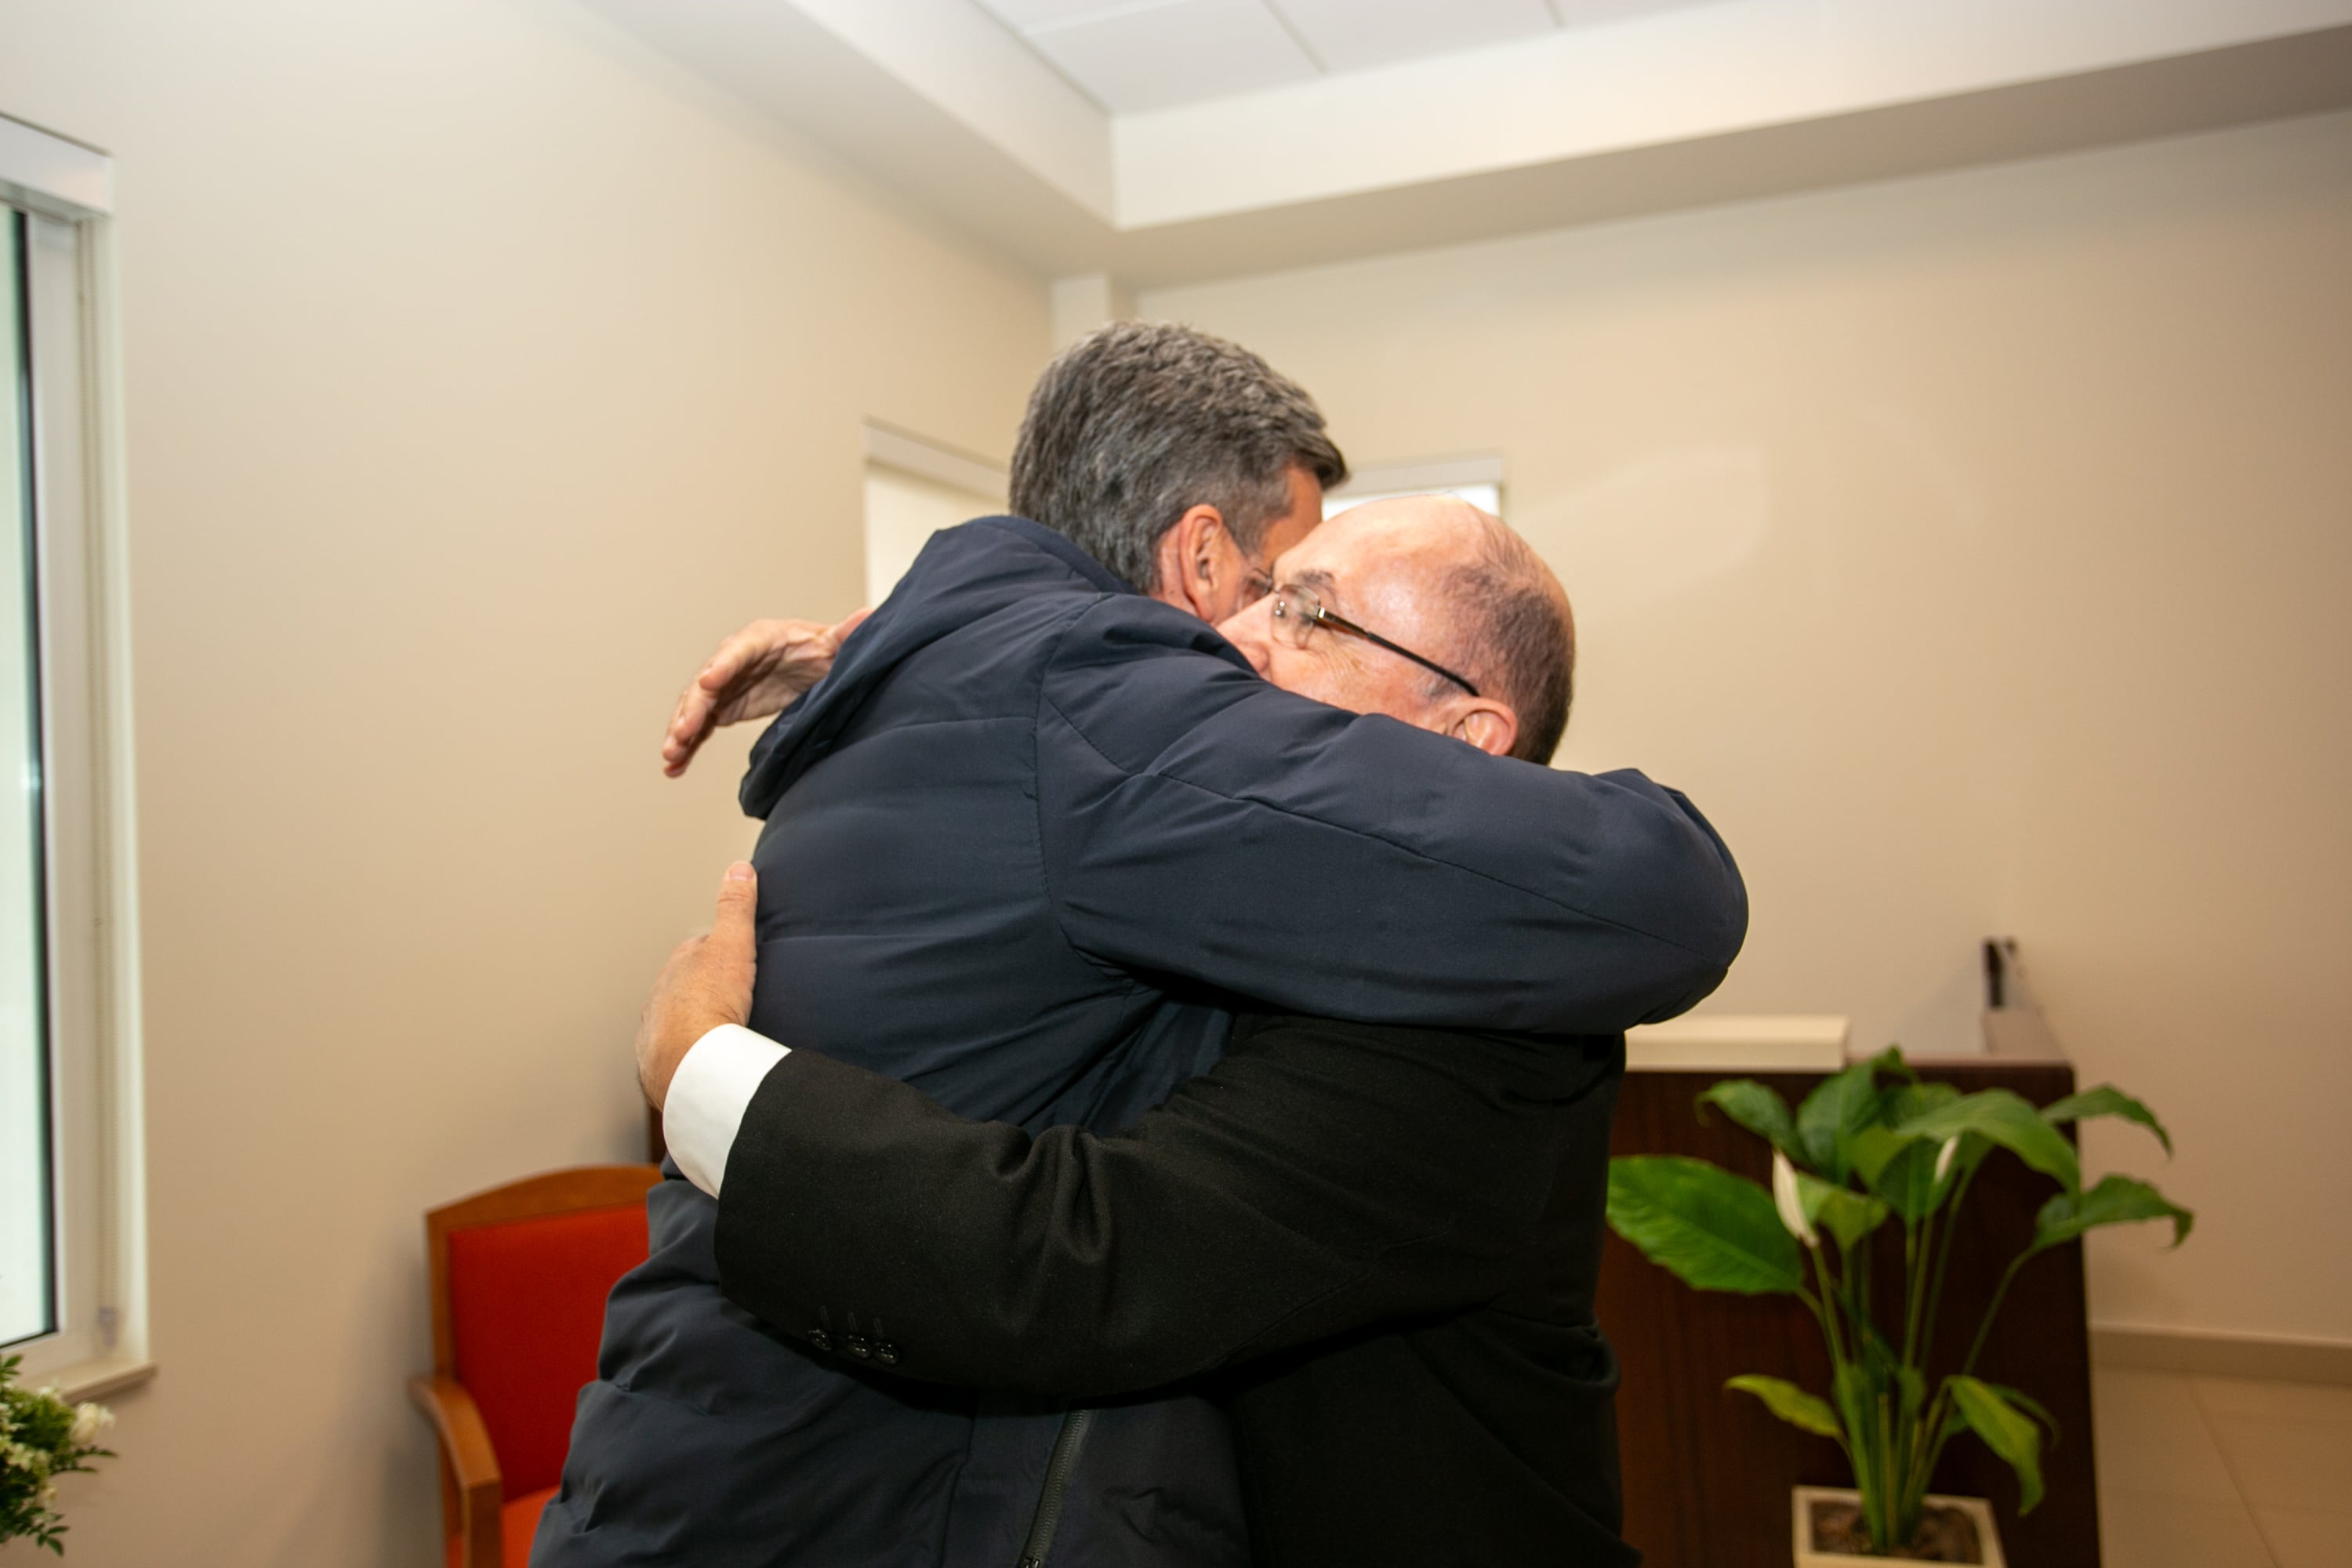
pixel 1350 35
pixel 1184 51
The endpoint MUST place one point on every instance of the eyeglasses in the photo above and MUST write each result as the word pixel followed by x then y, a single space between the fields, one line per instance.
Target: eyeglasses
pixel 1297 612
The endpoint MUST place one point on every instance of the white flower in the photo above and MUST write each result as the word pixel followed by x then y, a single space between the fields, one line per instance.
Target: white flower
pixel 1791 1206
pixel 1943 1157
pixel 90 1420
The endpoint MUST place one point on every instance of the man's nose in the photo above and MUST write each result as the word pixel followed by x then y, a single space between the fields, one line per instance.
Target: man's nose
pixel 1248 631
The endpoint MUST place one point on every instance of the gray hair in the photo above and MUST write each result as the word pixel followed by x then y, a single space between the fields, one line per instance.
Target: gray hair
pixel 1515 635
pixel 1138 422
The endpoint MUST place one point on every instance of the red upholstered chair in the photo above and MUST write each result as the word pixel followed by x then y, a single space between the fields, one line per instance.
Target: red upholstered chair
pixel 520 1277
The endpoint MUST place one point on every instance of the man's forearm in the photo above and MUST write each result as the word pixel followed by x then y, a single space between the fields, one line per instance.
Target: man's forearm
pixel 1322 1178
pixel 1197 821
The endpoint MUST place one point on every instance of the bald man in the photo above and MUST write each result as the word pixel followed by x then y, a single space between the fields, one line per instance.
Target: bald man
pixel 1376 1246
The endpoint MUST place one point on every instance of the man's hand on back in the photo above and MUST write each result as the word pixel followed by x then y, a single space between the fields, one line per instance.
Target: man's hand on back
pixel 707 983
pixel 755 673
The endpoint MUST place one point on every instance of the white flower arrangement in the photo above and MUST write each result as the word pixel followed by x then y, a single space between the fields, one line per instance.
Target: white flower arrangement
pixel 41 1437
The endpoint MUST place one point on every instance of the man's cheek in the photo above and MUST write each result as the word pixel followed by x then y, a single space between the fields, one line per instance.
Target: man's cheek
pixel 1312 677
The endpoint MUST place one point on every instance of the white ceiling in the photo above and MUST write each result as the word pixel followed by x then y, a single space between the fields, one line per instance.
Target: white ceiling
pixel 1345 128
pixel 1134 56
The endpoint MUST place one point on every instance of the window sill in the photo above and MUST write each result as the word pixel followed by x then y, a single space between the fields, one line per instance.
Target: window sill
pixel 97 1378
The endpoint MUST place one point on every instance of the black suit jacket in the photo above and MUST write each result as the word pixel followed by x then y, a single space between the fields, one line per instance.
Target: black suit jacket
pixel 1379 1244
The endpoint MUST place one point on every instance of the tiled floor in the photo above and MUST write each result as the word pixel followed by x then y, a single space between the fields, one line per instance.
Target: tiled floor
pixel 2223 1472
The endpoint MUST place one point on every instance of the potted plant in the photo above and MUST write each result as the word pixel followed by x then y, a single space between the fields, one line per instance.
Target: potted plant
pixel 41 1438
pixel 1873 1146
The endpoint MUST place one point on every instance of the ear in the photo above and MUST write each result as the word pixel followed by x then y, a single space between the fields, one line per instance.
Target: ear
pixel 1197 561
pixel 1486 725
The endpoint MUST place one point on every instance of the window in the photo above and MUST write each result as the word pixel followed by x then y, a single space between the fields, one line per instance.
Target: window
pixel 1478 480
pixel 28 1285
pixel 70 1210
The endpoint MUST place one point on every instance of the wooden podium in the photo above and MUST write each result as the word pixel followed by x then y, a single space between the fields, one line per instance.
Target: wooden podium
pixel 1708 1472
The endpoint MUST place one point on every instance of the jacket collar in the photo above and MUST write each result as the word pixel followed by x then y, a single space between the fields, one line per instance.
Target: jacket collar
pixel 1064 548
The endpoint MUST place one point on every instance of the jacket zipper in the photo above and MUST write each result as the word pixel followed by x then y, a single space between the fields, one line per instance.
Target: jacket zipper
pixel 1058 1465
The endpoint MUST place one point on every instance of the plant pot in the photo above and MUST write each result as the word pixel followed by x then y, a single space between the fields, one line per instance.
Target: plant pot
pixel 1978 1510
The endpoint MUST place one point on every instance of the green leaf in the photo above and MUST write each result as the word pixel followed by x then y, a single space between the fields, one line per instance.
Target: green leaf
pixel 1849 1216
pixel 2030 1406
pixel 1914 1391
pixel 2000 1116
pixel 1792 1404
pixel 1908 1186
pixel 1890 1060
pixel 1856 1392
pixel 1872 1149
pixel 2007 1431
pixel 2106 1101
pixel 1878 1355
pixel 1906 1101
pixel 2116 1200
pixel 1711 1229
pixel 1760 1110
pixel 1840 1107
pixel 1899 1165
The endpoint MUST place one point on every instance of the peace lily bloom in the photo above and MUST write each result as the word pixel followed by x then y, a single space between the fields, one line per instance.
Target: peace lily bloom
pixel 1791 1206
pixel 1943 1157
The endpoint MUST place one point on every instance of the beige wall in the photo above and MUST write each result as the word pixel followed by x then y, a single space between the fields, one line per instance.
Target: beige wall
pixel 479 370
pixel 1975 549
pixel 1971 547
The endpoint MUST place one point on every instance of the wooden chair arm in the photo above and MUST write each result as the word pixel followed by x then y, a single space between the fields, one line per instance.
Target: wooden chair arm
pixel 472 1464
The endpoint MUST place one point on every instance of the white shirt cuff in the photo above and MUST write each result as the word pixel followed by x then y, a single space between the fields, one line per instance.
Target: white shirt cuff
pixel 708 1095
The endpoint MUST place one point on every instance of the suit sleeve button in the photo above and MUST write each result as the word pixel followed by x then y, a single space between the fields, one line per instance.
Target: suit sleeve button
pixel 887 1354
pixel 856 1346
pixel 820 1339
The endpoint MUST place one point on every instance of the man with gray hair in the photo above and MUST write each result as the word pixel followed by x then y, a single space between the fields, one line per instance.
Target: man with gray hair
pixel 1026 848
pixel 1181 462
pixel 1138 424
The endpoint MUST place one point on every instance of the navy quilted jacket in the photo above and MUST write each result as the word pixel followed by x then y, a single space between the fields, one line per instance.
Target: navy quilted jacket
pixel 1026 848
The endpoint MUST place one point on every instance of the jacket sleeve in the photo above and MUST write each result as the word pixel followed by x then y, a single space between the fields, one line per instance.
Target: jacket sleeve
pixel 1323 1178
pixel 1197 822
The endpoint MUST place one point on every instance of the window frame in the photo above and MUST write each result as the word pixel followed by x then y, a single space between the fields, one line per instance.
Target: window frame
pixel 89 826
